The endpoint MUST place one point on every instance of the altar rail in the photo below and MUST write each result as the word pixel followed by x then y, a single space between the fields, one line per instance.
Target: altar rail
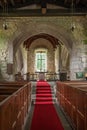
pixel 72 97
pixel 46 76
pixel 14 107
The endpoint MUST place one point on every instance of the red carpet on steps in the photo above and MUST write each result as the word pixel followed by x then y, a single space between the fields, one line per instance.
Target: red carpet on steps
pixel 45 116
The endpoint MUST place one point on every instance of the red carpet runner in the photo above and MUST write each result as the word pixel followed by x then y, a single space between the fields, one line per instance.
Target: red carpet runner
pixel 45 116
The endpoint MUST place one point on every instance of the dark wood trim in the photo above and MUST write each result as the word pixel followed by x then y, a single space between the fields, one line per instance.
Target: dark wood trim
pixel 38 12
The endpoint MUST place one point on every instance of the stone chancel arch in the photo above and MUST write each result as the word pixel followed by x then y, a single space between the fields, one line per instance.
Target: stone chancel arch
pixel 50 38
pixel 30 27
pixel 54 34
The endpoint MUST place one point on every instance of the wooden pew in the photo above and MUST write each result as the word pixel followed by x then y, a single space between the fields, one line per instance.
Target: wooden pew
pixel 73 101
pixel 75 82
pixel 8 90
pixel 81 104
pixel 2 97
pixel 13 84
pixel 14 108
pixel 10 87
pixel 81 109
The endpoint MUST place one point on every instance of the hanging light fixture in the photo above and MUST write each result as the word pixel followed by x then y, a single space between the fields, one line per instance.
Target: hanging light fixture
pixel 72 12
pixel 5 12
pixel 43 7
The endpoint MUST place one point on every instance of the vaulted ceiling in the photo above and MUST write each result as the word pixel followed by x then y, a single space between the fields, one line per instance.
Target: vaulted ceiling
pixel 54 7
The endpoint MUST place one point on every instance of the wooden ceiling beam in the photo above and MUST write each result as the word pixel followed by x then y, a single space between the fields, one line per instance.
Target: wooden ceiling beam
pixel 77 1
pixel 1 4
pixel 24 1
pixel 12 2
pixel 80 6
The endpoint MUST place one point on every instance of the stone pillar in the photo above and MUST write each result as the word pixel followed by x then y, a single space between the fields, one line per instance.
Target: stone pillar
pixel 57 59
pixel 28 60
pixel 54 60
pixel 31 61
pixel 77 61
pixel 10 62
pixel 60 60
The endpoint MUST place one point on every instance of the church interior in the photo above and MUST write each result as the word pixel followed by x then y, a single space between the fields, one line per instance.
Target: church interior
pixel 43 64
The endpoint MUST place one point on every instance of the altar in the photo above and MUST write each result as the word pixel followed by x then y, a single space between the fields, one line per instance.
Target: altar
pixel 41 76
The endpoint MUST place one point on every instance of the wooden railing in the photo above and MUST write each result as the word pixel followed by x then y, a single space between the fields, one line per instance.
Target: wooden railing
pixel 73 101
pixel 47 76
pixel 52 76
pixel 14 107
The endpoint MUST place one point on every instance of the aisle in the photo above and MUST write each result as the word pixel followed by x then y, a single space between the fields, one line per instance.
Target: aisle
pixel 45 116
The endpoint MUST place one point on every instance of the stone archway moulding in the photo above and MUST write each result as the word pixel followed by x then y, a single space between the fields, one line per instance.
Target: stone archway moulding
pixel 50 29
pixel 55 31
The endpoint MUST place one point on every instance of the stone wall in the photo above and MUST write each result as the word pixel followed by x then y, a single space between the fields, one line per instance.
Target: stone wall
pixel 20 29
pixel 78 61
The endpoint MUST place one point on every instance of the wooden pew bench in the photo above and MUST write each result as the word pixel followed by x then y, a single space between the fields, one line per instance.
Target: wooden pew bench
pixel 8 90
pixel 83 88
pixel 15 107
pixel 2 97
pixel 75 82
pixel 13 84
pixel 72 97
pixel 10 87
pixel 81 108
pixel 80 85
